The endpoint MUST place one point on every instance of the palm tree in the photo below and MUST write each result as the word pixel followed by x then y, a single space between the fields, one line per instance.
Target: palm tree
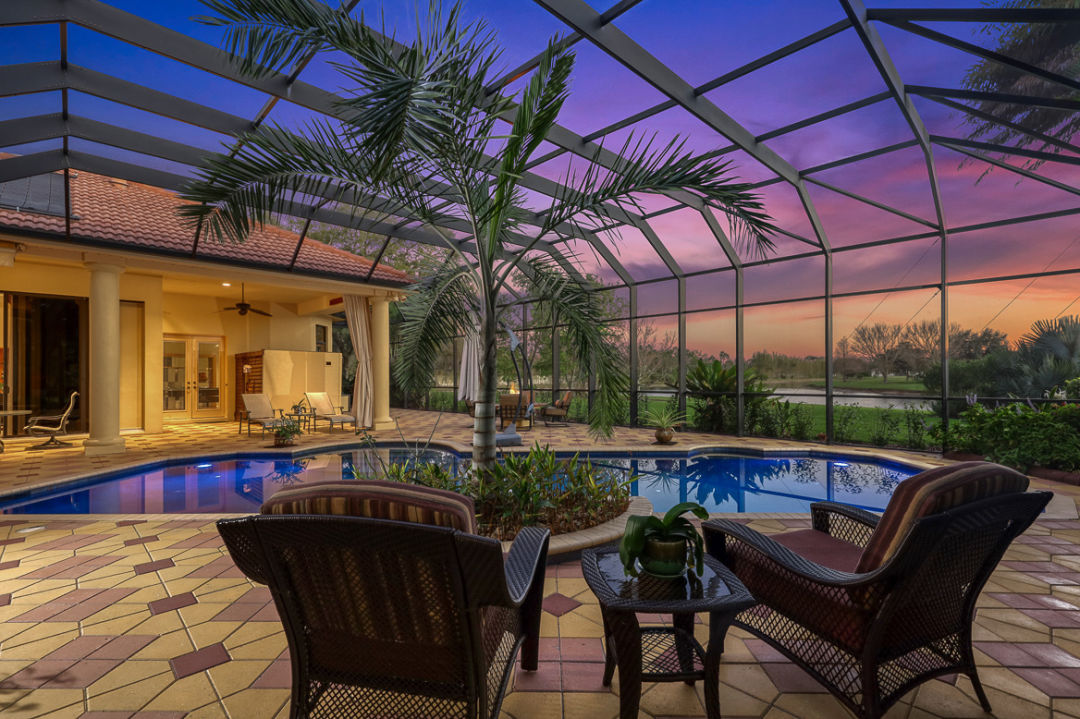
pixel 411 141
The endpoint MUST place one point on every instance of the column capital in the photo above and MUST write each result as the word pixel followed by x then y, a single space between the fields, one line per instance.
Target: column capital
pixel 102 263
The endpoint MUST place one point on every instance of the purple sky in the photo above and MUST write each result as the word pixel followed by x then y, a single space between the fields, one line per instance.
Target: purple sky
pixel 701 40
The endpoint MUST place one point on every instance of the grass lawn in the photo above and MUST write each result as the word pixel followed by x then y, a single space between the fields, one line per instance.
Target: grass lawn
pixel 864 422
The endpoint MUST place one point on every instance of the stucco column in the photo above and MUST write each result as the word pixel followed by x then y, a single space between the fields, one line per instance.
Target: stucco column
pixel 104 390
pixel 380 361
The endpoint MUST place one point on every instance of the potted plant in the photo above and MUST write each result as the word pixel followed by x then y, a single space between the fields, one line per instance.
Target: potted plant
pixel 665 419
pixel 286 432
pixel 664 547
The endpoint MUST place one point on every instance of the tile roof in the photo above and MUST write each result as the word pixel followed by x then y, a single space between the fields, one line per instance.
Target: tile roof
pixel 136 216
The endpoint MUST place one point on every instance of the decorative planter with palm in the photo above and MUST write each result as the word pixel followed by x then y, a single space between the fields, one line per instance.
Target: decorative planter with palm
pixel 665 418
pixel 411 140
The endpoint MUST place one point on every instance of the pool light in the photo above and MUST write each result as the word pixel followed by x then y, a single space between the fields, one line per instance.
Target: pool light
pixel 841 464
pixel 207 465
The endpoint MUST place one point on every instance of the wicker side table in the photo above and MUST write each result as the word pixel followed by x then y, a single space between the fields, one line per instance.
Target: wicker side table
pixel 660 654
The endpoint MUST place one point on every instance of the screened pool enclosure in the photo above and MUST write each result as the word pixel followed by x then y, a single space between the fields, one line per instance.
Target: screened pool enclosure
pixel 919 163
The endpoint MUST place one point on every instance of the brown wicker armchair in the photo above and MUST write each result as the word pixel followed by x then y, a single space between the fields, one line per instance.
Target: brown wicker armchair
pixel 871 607
pixel 393 618
pixel 555 413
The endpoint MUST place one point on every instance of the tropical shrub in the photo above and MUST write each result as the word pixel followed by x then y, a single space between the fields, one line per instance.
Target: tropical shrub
pixel 536 488
pixel 714 386
pixel 1021 436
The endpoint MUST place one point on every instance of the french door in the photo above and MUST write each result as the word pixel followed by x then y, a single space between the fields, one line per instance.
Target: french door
pixel 193 380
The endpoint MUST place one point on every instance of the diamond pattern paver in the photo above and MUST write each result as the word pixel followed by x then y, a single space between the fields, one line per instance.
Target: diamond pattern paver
pixel 148 618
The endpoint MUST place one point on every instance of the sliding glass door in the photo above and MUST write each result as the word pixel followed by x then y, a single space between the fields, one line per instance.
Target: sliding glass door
pixel 43 356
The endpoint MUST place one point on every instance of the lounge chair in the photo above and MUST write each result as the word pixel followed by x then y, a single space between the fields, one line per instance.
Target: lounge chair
pixel 555 413
pixel 258 411
pixel 52 425
pixel 873 606
pixel 385 617
pixel 323 408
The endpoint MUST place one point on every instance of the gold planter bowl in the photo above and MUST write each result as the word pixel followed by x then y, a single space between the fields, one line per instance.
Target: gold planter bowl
pixel 665 435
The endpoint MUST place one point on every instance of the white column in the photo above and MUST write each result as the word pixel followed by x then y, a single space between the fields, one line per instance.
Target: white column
pixel 380 361
pixel 104 390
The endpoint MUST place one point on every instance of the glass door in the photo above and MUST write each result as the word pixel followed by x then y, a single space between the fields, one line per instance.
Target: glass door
pixel 193 378
pixel 207 380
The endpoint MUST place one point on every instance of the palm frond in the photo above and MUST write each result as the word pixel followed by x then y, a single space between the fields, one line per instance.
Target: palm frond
pixel 267 36
pixel 640 168
pixel 534 117
pixel 267 173
pixel 435 311
pixel 583 314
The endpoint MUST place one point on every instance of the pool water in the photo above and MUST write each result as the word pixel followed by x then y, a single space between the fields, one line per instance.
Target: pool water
pixel 722 482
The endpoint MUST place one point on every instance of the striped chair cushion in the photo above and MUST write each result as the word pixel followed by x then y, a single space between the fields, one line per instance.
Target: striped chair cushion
pixel 377 499
pixel 935 490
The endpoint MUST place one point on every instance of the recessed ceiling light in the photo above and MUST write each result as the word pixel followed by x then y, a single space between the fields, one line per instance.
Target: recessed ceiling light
pixel 226 284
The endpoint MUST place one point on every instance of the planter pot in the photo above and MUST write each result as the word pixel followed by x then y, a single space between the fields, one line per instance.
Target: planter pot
pixel 664 558
pixel 665 435
pixel 284 441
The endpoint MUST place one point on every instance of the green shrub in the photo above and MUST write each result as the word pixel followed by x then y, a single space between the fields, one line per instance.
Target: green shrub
pixel 885 424
pixel 1021 436
pixel 844 418
pixel 802 422
pixel 713 385
pixel 917 428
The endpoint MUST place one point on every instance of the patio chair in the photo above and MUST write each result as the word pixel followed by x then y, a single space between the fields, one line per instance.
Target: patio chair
pixel 385 617
pixel 258 411
pixel 873 606
pixel 555 413
pixel 52 425
pixel 323 408
pixel 516 409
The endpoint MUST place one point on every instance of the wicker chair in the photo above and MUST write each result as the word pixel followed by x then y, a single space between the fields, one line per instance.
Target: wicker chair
pixel 872 607
pixel 393 618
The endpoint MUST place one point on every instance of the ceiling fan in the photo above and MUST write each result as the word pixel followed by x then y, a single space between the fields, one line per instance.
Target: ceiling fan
pixel 243 307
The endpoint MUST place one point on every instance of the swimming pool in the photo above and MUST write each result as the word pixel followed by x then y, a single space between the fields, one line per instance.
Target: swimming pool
pixel 722 481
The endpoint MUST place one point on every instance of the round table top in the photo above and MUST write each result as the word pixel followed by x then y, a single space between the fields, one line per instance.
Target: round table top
pixel 717 589
pixel 15 412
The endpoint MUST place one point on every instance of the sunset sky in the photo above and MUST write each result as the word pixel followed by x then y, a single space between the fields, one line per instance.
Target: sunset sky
pixel 700 40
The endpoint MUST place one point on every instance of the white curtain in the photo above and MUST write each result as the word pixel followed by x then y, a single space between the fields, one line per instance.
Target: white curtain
pixel 359 319
pixel 469 376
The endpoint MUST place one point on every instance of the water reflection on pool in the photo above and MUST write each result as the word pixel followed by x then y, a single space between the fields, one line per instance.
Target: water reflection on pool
pixel 722 482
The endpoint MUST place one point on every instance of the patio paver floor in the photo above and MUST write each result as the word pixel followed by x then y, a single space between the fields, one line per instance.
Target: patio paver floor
pixel 147 617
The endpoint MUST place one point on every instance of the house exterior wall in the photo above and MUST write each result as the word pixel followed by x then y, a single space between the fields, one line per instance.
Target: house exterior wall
pixel 148 314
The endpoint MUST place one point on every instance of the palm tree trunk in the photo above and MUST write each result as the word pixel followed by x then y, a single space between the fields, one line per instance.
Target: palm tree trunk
pixel 484 422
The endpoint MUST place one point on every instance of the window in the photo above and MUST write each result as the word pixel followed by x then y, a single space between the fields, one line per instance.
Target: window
pixel 322 343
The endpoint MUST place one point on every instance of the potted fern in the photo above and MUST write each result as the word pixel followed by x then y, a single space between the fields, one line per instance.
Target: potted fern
pixel 665 547
pixel 665 419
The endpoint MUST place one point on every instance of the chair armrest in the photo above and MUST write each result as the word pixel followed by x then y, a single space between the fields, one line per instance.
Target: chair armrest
pixel 843 521
pixel 526 562
pixel 720 532
pixel 44 418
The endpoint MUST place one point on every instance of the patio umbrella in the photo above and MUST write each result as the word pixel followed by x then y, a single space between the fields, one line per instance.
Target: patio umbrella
pixel 356 314
pixel 469 376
